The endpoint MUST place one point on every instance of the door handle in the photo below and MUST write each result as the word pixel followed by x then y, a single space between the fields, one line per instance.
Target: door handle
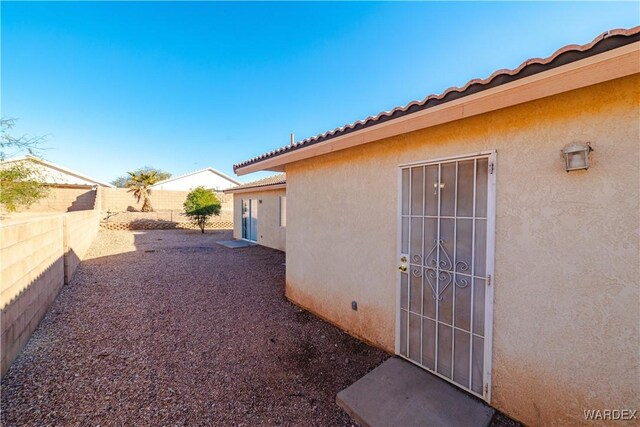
pixel 402 268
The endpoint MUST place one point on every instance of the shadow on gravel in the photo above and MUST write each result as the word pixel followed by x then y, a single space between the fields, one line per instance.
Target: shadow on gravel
pixel 168 327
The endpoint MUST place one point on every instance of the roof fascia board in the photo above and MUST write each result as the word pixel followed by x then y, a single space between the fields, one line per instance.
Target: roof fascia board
pixel 255 189
pixel 227 177
pixel 81 186
pixel 610 65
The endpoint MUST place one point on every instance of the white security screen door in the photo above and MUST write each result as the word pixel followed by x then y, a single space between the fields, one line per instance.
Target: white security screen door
pixel 447 211
pixel 250 219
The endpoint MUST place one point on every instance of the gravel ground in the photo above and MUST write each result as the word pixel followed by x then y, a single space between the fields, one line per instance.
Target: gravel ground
pixel 170 328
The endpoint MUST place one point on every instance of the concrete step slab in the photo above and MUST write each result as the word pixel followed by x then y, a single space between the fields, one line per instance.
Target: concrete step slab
pixel 233 244
pixel 398 393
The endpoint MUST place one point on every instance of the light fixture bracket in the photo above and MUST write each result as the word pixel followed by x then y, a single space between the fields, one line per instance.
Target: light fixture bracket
pixel 576 156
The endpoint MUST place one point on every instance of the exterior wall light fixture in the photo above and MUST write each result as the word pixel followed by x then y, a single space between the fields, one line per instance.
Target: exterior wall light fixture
pixel 576 156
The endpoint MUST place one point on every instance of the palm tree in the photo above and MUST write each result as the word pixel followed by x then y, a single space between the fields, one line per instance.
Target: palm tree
pixel 139 184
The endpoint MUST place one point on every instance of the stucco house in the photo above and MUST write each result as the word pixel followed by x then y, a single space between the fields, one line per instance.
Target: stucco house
pixel 69 190
pixel 54 174
pixel 489 234
pixel 260 211
pixel 208 178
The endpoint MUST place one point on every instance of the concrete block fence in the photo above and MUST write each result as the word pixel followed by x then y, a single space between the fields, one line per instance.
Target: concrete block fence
pixel 168 210
pixel 163 225
pixel 39 252
pixel 167 205
pixel 65 199
pixel 38 255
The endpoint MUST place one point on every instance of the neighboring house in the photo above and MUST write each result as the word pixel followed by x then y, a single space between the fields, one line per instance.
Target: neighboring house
pixel 469 248
pixel 260 211
pixel 208 178
pixel 56 175
pixel 68 190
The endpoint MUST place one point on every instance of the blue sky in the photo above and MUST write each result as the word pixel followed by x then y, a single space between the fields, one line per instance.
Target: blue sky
pixel 182 86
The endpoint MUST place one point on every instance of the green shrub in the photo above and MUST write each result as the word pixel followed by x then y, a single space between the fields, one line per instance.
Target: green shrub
pixel 21 182
pixel 20 185
pixel 201 205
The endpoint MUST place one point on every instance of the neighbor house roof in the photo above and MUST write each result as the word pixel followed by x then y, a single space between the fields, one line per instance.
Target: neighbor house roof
pixel 59 175
pixel 270 183
pixel 210 169
pixel 562 59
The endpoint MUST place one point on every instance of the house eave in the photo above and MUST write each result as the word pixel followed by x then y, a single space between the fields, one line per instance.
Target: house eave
pixel 610 65
pixel 256 189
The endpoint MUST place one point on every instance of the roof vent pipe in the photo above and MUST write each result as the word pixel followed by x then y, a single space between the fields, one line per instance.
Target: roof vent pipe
pixel 292 138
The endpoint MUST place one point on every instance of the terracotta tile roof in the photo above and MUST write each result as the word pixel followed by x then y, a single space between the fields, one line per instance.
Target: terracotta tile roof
pixel 604 42
pixel 259 184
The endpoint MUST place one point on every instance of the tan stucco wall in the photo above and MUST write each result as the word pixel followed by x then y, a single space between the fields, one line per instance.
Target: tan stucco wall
pixel 567 314
pixel 270 233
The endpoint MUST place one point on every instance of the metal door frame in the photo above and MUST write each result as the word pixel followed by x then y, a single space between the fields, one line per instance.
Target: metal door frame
pixel 249 220
pixel 490 263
